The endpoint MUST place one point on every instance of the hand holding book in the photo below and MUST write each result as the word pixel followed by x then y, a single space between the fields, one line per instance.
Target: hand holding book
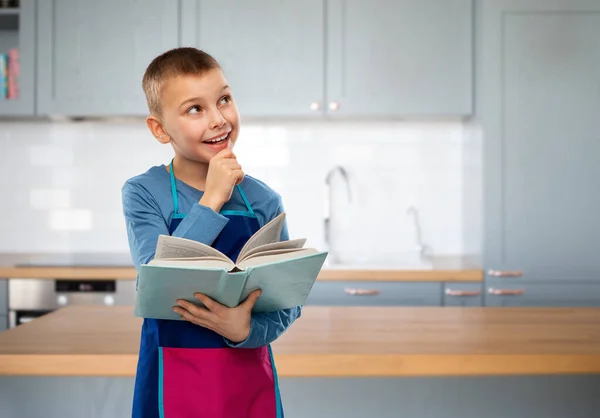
pixel 231 323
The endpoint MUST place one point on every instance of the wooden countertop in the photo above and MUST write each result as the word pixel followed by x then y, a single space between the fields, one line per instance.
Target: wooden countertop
pixel 119 266
pixel 335 341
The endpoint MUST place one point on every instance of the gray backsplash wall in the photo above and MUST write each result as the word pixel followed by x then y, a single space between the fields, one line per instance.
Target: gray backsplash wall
pixel 60 182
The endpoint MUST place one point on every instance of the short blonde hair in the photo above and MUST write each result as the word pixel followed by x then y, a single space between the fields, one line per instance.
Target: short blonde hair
pixel 173 63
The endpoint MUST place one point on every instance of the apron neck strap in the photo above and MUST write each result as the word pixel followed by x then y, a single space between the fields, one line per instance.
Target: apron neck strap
pixel 248 206
pixel 176 199
pixel 174 189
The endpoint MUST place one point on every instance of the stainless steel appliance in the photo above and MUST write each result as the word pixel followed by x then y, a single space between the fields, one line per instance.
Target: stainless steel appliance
pixel 31 298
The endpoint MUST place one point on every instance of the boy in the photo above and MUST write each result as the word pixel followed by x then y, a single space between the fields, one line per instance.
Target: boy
pixel 217 361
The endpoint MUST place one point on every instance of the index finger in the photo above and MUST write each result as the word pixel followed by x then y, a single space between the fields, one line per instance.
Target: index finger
pixel 192 308
pixel 210 304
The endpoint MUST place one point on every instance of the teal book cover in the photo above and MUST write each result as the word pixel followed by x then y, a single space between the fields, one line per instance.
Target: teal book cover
pixel 285 271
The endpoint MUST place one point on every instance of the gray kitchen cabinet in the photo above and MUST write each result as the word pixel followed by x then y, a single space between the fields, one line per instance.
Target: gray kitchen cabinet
pixel 399 57
pixel 3 297
pixel 372 293
pixel 441 397
pixel 3 323
pixel 463 294
pixel 272 52
pixel 539 103
pixel 557 396
pixel 91 55
pixel 17 30
pixel 567 293
pixel 381 58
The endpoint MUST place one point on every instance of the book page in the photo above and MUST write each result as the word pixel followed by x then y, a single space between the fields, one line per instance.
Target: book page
pixel 282 245
pixel 175 247
pixel 193 262
pixel 275 256
pixel 268 234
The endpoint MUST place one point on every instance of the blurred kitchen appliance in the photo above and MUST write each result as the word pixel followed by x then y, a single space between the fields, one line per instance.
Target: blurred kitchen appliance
pixel 31 298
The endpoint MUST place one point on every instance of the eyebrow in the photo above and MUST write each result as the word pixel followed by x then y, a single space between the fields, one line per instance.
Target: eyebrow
pixel 195 99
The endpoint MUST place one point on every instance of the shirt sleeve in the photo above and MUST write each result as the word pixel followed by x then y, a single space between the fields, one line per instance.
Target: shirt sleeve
pixel 144 223
pixel 267 327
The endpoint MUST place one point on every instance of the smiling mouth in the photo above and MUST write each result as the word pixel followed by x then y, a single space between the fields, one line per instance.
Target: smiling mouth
pixel 218 139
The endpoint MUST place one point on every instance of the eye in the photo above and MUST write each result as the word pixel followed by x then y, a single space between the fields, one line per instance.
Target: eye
pixel 194 109
pixel 225 100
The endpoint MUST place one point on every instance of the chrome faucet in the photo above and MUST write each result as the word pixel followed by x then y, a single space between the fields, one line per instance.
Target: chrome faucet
pixel 327 214
pixel 420 246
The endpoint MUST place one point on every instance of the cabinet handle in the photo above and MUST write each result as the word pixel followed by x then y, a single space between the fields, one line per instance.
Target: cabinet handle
pixel 315 106
pixel 451 292
pixel 334 106
pixel 361 292
pixel 500 273
pixel 505 292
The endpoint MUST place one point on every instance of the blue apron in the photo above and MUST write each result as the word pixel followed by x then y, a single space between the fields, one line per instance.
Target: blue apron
pixel 177 358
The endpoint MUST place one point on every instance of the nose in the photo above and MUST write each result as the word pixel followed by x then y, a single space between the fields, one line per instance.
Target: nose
pixel 217 120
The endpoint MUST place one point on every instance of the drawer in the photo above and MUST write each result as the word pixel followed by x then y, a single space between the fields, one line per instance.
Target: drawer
pixel 371 293
pixel 536 293
pixel 463 294
pixel 3 297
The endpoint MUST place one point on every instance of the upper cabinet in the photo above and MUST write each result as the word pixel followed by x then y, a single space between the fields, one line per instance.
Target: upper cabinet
pixel 382 58
pixel 310 58
pixel 17 45
pixel 400 57
pixel 271 51
pixel 91 55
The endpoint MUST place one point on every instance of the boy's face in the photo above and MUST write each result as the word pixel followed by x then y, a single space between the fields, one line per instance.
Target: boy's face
pixel 199 116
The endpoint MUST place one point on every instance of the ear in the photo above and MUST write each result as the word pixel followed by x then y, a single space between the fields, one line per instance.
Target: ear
pixel 157 129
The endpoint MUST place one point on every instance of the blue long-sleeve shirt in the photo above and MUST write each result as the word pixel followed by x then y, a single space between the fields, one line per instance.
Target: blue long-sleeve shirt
pixel 148 207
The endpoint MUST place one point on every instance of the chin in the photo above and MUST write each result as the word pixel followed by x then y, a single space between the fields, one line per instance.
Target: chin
pixel 195 156
pixel 203 155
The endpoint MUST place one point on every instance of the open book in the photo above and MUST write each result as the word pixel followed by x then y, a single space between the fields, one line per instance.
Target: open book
pixel 285 271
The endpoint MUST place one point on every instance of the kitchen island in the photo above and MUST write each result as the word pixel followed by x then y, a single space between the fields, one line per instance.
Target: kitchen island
pixel 335 361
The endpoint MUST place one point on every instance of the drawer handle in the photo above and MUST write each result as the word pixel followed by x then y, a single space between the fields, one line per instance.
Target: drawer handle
pixel 451 292
pixel 361 292
pixel 506 292
pixel 501 273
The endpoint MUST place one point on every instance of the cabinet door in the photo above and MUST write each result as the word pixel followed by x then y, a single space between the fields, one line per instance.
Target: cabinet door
pixel 3 297
pixel 536 293
pixel 400 57
pixel 539 105
pixel 369 293
pixel 92 55
pixel 3 323
pixel 463 294
pixel 271 51
pixel 17 30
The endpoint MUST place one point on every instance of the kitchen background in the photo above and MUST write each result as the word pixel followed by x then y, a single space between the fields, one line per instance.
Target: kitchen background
pixel 468 129
pixel 415 146
pixel 460 136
